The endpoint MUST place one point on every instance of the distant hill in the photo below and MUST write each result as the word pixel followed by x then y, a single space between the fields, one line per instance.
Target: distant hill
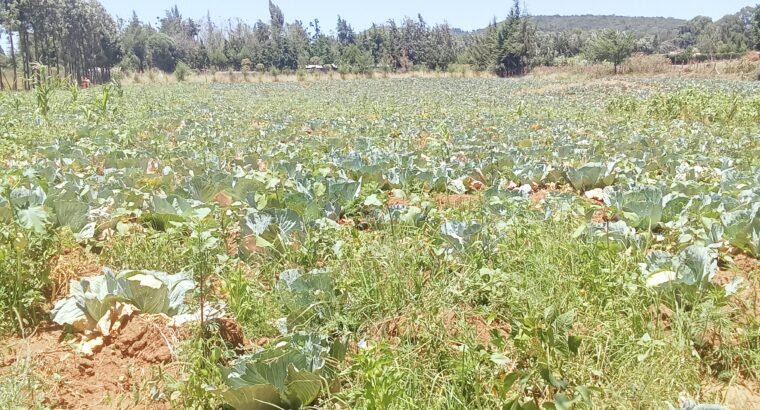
pixel 635 25
pixel 638 26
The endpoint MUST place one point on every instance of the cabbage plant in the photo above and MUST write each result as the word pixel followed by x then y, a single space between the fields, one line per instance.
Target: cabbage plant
pixel 307 296
pixel 460 235
pixel 615 232
pixel 694 266
pixel 641 207
pixel 150 291
pixel 591 175
pixel 290 375
pixel 742 229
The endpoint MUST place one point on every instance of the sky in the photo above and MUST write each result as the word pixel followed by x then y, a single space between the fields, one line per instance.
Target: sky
pixel 467 15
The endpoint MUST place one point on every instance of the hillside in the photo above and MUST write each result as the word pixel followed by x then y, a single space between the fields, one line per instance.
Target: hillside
pixel 637 25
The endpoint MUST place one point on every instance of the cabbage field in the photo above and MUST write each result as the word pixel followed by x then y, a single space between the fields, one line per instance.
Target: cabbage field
pixel 416 243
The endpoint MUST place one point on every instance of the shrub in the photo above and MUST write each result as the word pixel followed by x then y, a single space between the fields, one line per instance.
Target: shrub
pixel 343 71
pixel 182 71
pixel 245 65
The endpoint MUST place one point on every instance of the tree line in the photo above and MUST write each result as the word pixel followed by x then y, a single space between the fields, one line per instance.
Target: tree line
pixel 78 38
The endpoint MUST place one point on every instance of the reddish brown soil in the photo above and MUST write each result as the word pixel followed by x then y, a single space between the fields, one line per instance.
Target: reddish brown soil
pixel 538 197
pixel 541 193
pixel 753 56
pixel 394 328
pixel 232 333
pixel 748 296
pixel 119 376
pixel 748 265
pixel 457 201
pixel 600 216
pixel 478 325
pixel 741 395
pixel 249 243
pixel 661 315
pixel 392 200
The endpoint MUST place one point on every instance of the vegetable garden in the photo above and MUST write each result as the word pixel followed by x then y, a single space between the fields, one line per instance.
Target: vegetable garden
pixel 397 243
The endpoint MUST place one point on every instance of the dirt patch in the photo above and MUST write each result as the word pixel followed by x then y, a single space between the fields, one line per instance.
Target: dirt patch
pixel 479 326
pixel 232 239
pixel 458 323
pixel 119 376
pixel 600 216
pixel 394 200
pixel 747 297
pixel 752 56
pixel 457 201
pixel 232 333
pixel 744 395
pixel 538 197
pixel 146 338
pixel 661 315
pixel 72 264
pixel 748 265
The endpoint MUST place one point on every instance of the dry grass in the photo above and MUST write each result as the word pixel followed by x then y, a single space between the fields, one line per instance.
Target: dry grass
pixel 238 77
pixel 746 68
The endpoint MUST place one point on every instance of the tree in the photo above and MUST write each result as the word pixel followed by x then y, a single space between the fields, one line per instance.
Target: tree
pixel 441 49
pixel 511 42
pixel 345 33
pixel 135 40
pixel 413 39
pixel 611 46
pixel 276 16
pixel 3 61
pixel 709 40
pixel 212 39
pixel 482 51
pixel 162 52
pixel 8 18
pixel 755 28
pixel 297 44
pixel 356 58
pixel 688 34
pixel 184 33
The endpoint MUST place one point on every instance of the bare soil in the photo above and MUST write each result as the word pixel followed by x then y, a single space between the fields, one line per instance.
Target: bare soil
pixel 120 376
pixel 397 327
pixel 748 296
pixel 457 201
pixel 742 395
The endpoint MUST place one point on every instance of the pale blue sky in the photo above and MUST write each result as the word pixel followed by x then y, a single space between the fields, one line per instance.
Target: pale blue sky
pixel 468 15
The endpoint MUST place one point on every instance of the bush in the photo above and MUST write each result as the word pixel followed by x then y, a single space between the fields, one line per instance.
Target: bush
pixel 343 70
pixel 130 63
pixel 182 71
pixel 741 66
pixel 245 65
